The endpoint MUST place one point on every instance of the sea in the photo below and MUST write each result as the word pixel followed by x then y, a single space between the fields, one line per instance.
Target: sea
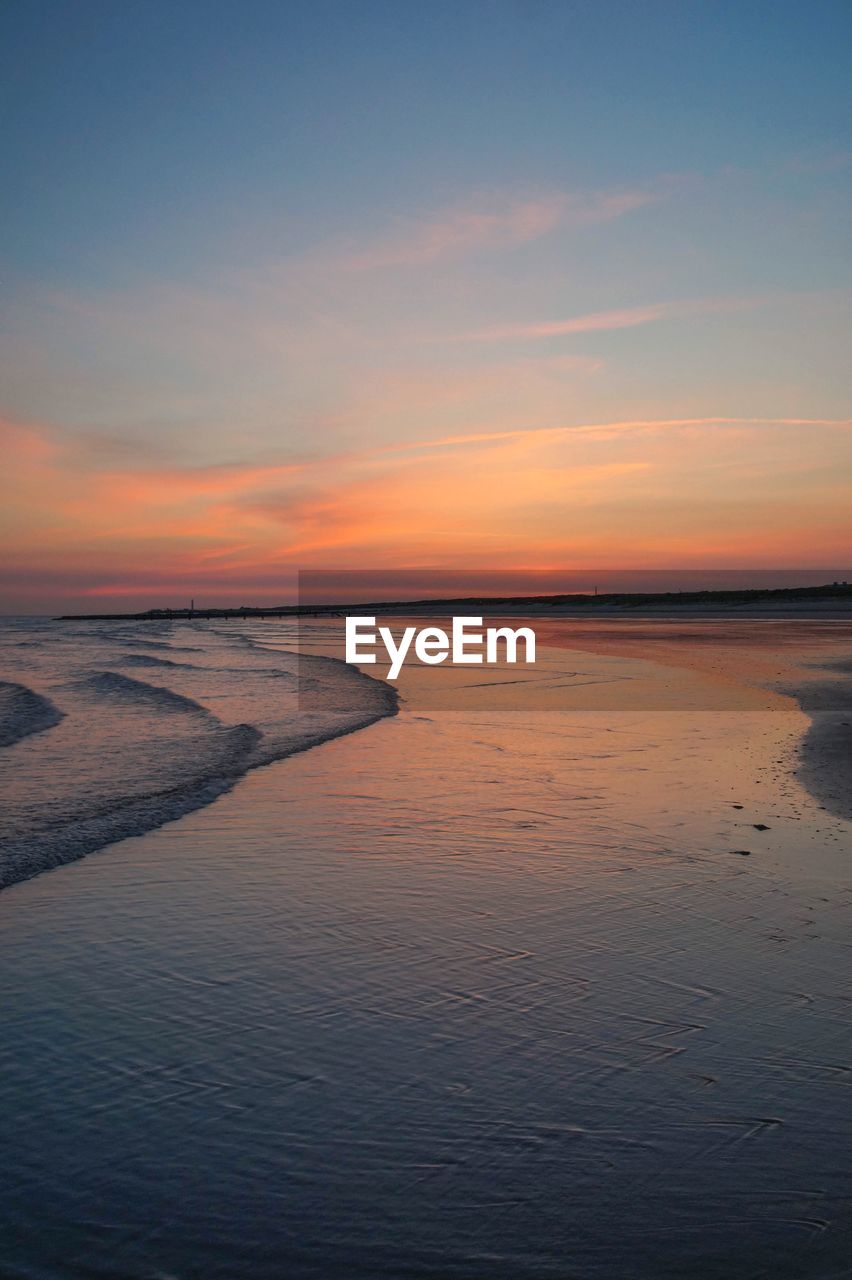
pixel 108 731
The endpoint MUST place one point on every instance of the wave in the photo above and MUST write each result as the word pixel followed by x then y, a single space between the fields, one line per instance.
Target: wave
pixel 151 644
pixel 23 711
pixel 112 684
pixel 148 660
pixel 133 755
pixel 51 844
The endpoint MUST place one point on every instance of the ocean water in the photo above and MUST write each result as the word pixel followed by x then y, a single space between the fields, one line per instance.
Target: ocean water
pixel 109 730
pixel 473 995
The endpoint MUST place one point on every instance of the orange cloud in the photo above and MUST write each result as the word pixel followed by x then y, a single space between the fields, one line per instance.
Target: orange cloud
pixel 698 491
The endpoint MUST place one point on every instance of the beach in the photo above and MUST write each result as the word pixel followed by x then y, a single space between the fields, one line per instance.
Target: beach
pixel 546 983
pixel 426 641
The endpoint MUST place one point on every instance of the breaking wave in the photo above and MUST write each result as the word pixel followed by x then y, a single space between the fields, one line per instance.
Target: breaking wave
pixel 126 755
pixel 111 684
pixel 22 712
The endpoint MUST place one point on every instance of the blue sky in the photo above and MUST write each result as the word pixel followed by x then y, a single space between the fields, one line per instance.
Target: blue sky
pixel 157 136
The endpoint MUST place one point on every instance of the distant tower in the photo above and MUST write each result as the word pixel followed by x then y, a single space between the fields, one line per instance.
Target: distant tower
pixel 191 607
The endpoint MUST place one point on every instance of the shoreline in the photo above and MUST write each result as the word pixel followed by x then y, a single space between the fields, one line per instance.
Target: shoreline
pixel 802 662
pixel 32 846
pixel 727 669
pixel 820 686
pixel 825 752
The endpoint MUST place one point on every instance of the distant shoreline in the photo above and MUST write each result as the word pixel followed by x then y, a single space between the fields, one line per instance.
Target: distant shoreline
pixel 796 600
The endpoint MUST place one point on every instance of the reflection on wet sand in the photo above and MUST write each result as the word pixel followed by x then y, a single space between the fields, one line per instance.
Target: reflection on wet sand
pixel 474 993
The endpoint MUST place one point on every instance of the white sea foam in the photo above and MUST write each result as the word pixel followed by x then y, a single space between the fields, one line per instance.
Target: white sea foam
pixel 124 755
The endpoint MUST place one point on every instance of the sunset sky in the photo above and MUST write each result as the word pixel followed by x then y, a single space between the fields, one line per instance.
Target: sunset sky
pixel 517 283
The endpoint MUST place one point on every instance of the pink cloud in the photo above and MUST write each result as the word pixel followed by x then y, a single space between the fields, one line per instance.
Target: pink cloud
pixel 607 429
pixel 620 318
pixel 460 230
pixel 595 321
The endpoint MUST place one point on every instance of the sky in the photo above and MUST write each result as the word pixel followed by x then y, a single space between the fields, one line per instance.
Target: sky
pixel 487 284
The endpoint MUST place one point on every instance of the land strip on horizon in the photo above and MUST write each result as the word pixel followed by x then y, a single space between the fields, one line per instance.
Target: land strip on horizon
pixel 830 596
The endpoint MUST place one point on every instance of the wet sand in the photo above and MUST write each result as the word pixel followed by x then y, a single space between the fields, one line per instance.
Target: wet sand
pixel 649 663
pixel 795 657
pixel 478 993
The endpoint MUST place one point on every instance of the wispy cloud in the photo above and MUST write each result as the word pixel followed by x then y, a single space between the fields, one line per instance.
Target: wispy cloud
pixel 630 426
pixel 595 321
pixel 493 224
pixel 620 318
